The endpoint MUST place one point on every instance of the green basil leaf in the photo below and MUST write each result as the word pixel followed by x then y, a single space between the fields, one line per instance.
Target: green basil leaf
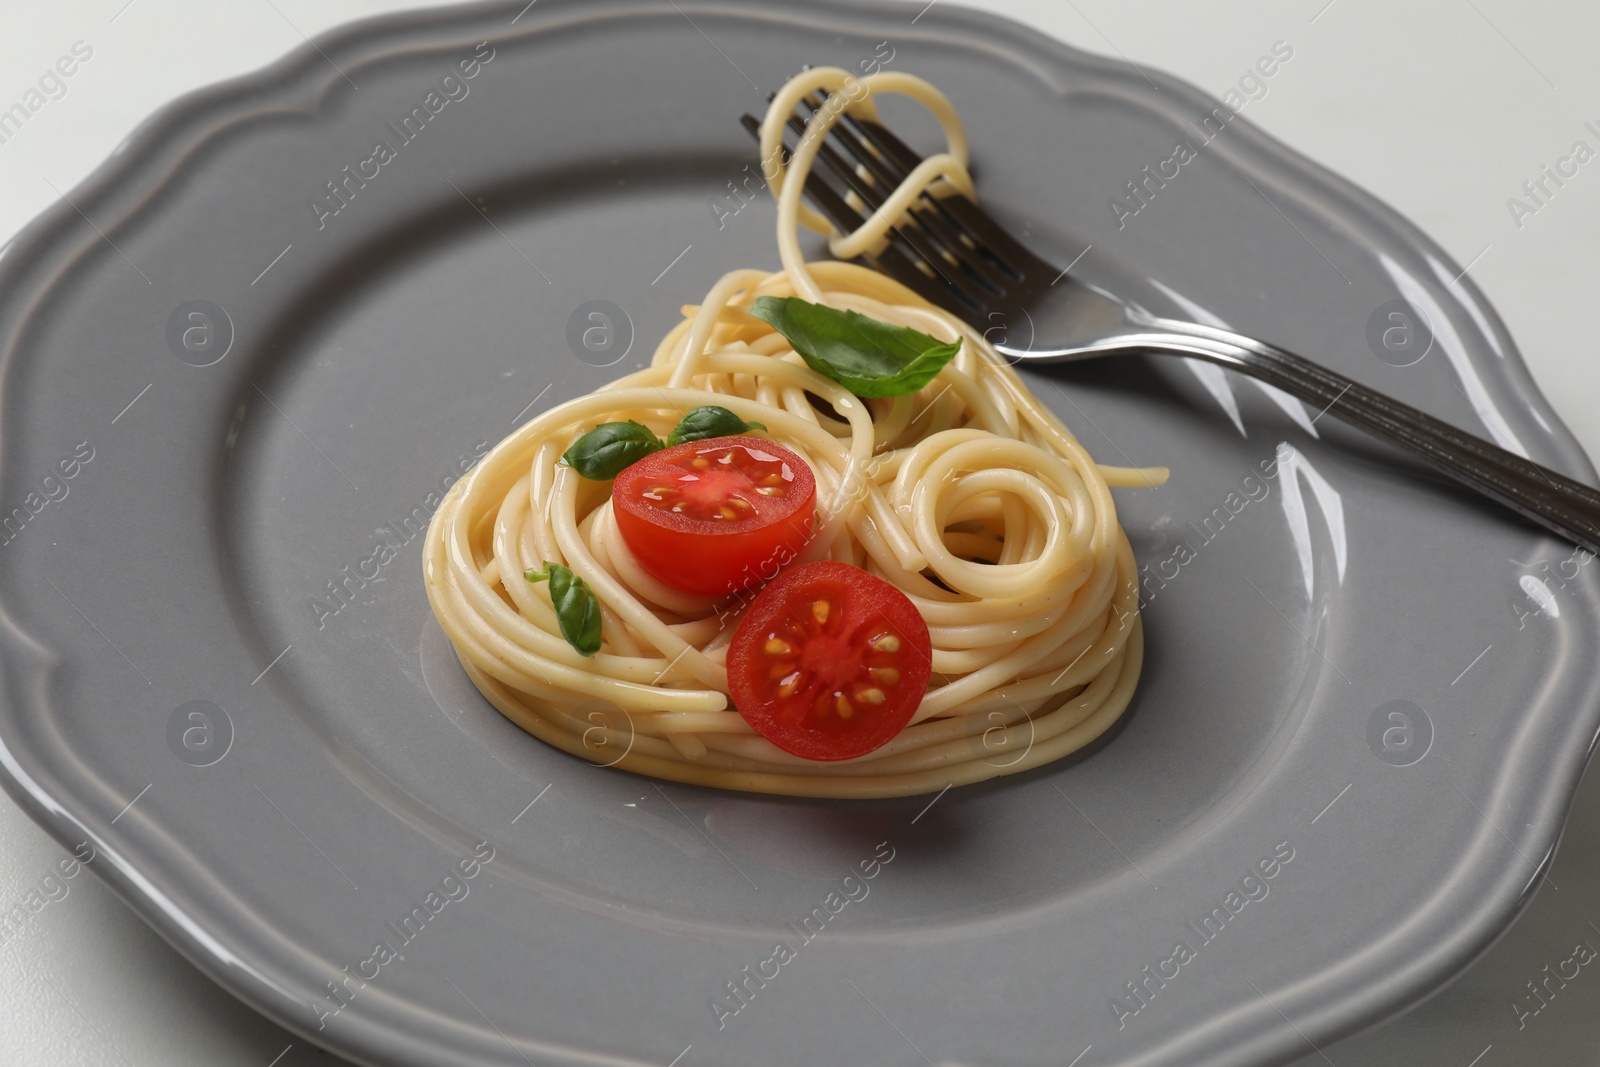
pixel 577 608
pixel 603 452
pixel 709 421
pixel 867 357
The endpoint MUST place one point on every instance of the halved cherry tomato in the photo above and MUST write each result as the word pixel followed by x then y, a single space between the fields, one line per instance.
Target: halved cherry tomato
pixel 830 662
pixel 716 516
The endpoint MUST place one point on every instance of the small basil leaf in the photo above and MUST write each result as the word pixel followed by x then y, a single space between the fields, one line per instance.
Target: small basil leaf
pixel 704 423
pixel 867 357
pixel 603 452
pixel 577 608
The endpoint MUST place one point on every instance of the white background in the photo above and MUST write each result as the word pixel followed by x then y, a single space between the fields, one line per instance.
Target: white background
pixel 1443 108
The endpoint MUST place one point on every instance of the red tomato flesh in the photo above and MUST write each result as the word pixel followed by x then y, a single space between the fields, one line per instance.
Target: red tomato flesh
pixel 830 662
pixel 716 516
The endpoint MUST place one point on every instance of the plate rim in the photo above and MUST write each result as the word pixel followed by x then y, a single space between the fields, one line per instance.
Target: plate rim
pixel 134 174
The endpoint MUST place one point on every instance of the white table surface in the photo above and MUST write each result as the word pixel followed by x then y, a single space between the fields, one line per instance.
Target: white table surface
pixel 1443 108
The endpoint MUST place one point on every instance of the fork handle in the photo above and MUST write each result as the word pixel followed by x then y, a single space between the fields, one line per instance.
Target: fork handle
pixel 1549 498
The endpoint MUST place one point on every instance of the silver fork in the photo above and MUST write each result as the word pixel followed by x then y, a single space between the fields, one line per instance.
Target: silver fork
pixel 952 253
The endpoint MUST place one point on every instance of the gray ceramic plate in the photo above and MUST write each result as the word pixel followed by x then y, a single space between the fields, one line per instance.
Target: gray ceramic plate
pixel 227 410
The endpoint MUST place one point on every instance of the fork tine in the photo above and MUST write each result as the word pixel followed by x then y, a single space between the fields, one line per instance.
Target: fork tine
pixel 830 203
pixel 972 219
pixel 915 241
pixel 919 266
pixel 904 256
pixel 942 236
pixel 891 259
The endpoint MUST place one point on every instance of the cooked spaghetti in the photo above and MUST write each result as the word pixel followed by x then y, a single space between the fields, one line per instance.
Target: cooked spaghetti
pixel 968 495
